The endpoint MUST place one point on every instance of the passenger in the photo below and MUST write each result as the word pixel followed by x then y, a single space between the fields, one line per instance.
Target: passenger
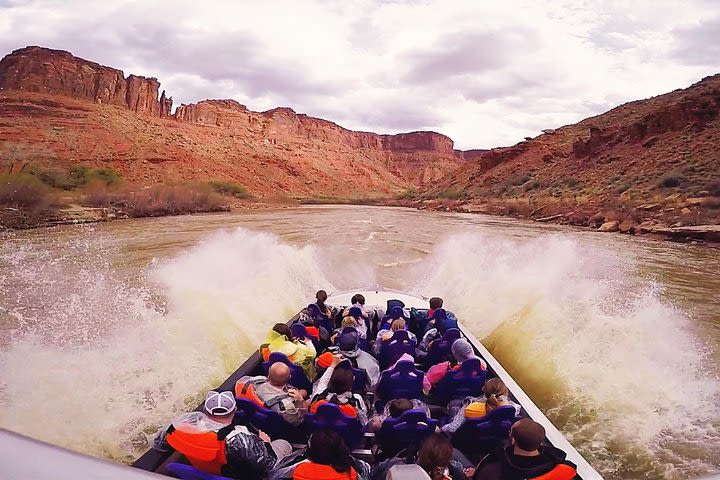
pixel 393 314
pixel 348 321
pixel 320 297
pixel 386 334
pixel 358 300
pixel 335 386
pixel 299 351
pixel 238 452
pixel 348 348
pixel 462 351
pixel 395 408
pixel 435 303
pixel 436 328
pixel 526 457
pixel 495 394
pixel 355 314
pixel 275 393
pixel 435 457
pixel 326 457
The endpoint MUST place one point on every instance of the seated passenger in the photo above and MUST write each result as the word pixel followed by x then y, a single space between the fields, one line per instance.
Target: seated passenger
pixel 346 322
pixel 435 457
pixel 494 395
pixel 320 297
pixel 526 457
pixel 393 314
pixel 299 351
pixel 335 386
pixel 355 314
pixel 348 348
pixel 275 393
pixel 395 408
pixel 435 303
pixel 435 329
pixel 461 350
pixel 358 300
pixel 386 334
pixel 245 454
pixel 326 457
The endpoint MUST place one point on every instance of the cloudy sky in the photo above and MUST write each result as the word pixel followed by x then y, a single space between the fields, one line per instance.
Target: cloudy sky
pixel 486 73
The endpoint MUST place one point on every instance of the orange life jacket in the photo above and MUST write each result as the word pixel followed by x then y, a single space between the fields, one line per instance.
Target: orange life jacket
pixel 345 408
pixel 265 352
pixel 562 471
pixel 204 450
pixel 247 390
pixel 313 332
pixel 317 471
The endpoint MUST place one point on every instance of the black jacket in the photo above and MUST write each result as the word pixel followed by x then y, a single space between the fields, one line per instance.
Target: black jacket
pixel 502 464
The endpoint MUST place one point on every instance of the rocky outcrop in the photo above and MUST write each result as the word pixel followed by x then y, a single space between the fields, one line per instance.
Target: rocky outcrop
pixel 42 70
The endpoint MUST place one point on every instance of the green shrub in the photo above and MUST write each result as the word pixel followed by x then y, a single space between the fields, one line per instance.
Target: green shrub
pixel 571 182
pixel 615 178
pixel 714 188
pixel 26 192
pixel 77 177
pixel 623 187
pixel 519 180
pixel 451 193
pixel 670 181
pixel 409 194
pixel 532 185
pixel 229 188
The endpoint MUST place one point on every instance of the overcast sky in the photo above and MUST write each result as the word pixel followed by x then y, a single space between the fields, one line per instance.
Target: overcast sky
pixel 487 73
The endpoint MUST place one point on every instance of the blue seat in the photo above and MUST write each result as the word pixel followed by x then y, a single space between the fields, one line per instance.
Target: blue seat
pixel 298 379
pixel 269 421
pixel 403 381
pixel 440 350
pixel 410 428
pixel 466 381
pixel 360 381
pixel 362 342
pixel 478 436
pixel 299 331
pixel 188 472
pixel 321 320
pixel 329 416
pixel 394 347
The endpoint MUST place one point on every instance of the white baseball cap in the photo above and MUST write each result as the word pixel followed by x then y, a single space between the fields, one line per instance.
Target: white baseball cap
pixel 220 403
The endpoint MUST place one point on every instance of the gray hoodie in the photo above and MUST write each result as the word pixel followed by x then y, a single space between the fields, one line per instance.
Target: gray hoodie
pixel 365 361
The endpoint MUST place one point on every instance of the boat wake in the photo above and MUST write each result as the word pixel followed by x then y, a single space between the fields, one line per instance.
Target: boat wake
pixel 592 342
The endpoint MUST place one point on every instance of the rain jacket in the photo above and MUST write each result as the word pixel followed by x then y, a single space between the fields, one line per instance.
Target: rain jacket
pixel 503 464
pixel 299 352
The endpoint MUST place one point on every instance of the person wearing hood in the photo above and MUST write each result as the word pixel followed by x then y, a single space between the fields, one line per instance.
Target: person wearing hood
pixel 462 351
pixel 299 351
pixel 526 457
pixel 348 348
pixel 439 323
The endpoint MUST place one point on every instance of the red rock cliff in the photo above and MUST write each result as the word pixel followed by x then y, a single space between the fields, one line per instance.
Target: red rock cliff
pixel 42 70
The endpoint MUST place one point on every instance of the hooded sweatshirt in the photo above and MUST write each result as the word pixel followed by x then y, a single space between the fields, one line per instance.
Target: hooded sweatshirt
pixel 503 464
pixel 365 361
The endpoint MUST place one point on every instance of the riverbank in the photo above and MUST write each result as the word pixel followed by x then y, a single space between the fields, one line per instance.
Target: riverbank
pixel 687 220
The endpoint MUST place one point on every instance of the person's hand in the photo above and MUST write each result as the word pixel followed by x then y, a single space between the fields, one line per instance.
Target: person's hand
pixel 336 360
pixel 296 396
pixel 469 472
pixel 264 436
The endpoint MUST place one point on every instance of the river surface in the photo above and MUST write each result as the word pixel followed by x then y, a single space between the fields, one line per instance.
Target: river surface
pixel 108 330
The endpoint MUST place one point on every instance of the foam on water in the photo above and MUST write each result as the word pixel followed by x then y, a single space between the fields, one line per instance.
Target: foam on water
pixel 110 363
pixel 620 371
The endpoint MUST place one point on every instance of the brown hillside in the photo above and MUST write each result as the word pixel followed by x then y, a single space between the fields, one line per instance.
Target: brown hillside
pixel 57 110
pixel 638 152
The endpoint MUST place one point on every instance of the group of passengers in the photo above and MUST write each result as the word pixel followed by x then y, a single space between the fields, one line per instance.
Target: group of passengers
pixel 339 344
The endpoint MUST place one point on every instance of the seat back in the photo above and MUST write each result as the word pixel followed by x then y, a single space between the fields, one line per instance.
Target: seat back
pixel 269 421
pixel 394 347
pixel 403 381
pixel 477 436
pixel 441 350
pixel 329 416
pixel 298 379
pixel 188 472
pixel 410 428
pixel 321 320
pixel 360 377
pixel 300 332
pixel 466 381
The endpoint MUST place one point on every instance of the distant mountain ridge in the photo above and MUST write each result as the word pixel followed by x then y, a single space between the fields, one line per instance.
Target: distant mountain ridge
pixel 293 152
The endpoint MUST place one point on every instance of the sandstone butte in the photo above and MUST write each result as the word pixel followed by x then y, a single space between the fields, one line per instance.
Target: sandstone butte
pixel 59 110
pixel 647 164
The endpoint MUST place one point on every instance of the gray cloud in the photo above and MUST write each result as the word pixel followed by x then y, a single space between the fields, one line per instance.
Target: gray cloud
pixel 698 44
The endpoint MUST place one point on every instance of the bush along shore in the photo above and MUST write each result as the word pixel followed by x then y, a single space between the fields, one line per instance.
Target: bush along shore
pixel 36 197
pixel 674 217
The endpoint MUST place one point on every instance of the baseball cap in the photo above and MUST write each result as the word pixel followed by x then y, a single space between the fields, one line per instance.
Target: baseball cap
pixel 220 403
pixel 348 341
